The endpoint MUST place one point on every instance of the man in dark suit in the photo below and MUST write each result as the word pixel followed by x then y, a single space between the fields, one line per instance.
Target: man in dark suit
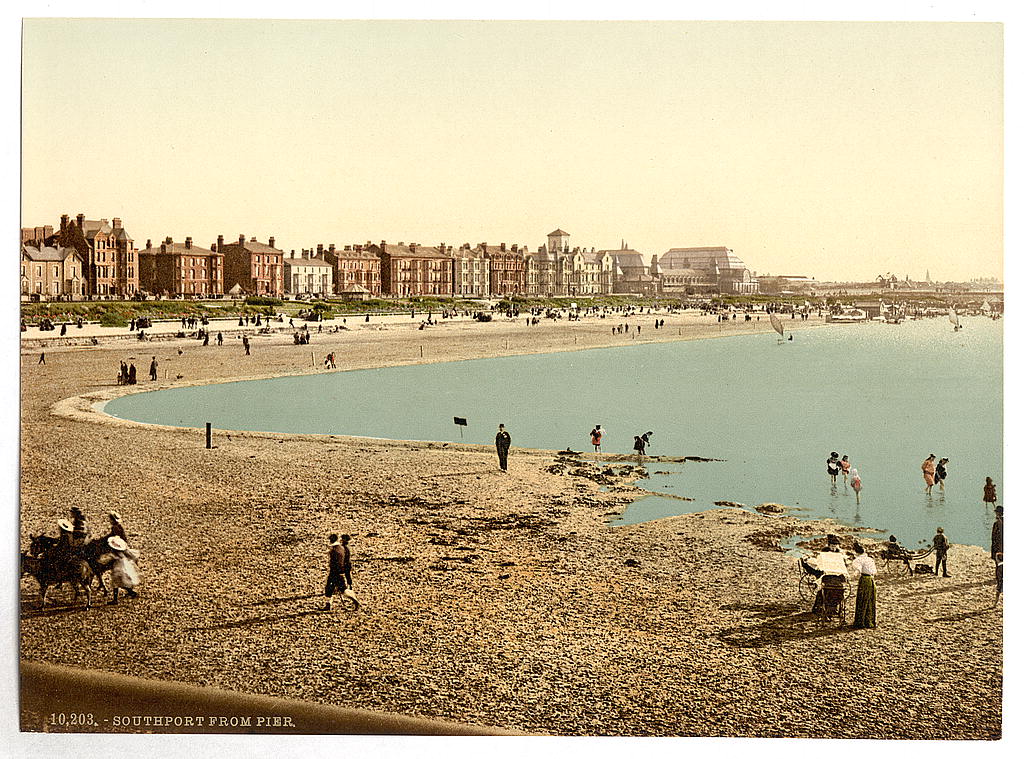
pixel 502 441
pixel 339 574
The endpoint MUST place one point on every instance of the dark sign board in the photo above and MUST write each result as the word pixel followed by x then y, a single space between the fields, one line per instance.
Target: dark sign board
pixel 460 421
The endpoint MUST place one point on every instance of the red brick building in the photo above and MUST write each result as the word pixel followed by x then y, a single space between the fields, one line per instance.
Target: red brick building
pixel 181 269
pixel 354 265
pixel 414 270
pixel 256 267
pixel 111 262
pixel 507 269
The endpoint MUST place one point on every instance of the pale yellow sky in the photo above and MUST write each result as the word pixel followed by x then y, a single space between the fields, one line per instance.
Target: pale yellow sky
pixel 829 149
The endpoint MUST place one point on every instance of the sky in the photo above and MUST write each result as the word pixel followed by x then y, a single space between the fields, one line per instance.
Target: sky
pixel 827 149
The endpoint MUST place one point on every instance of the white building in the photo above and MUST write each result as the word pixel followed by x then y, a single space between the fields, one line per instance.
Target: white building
pixel 308 276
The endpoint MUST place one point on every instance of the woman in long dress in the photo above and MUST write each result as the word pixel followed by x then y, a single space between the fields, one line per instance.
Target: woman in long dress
pixel 864 616
pixel 928 470
pixel 855 482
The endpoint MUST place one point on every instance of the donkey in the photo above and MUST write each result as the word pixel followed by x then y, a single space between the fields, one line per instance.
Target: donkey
pixel 41 545
pixel 53 570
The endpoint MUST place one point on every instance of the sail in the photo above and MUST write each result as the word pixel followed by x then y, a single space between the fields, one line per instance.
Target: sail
pixel 953 318
pixel 986 307
pixel 776 324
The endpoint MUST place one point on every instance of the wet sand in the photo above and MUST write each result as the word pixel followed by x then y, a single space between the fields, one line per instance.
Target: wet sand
pixel 488 598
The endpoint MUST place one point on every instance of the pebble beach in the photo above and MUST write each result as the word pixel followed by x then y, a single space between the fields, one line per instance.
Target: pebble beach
pixel 488 598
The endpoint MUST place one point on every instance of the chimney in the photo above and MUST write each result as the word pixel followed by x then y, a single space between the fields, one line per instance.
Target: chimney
pixel 149 244
pixel 348 247
pixel 270 242
pixel 252 239
pixel 188 243
pixel 117 223
pixel 241 239
pixel 81 220
pixel 330 249
pixel 503 247
pixel 168 240
pixel 515 247
pixel 63 222
pixel 220 242
pixel 383 246
pixel 319 248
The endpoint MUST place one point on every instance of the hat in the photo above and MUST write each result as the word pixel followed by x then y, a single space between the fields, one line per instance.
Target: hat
pixel 114 515
pixel 76 510
pixel 116 543
pixel 999 509
pixel 939 530
pixel 333 538
pixel 65 525
pixel 834 453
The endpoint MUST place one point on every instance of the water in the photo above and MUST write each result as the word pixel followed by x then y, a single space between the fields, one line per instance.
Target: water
pixel 886 395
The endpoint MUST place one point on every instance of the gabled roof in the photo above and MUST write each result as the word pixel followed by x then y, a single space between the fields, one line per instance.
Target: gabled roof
pixel 354 289
pixel 48 254
pixel 560 232
pixel 90 228
pixel 317 262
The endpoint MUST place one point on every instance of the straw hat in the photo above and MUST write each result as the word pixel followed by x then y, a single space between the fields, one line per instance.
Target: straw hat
pixel 116 543
pixel 114 515
pixel 65 525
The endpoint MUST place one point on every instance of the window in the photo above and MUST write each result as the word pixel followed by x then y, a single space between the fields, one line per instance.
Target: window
pixel 56 271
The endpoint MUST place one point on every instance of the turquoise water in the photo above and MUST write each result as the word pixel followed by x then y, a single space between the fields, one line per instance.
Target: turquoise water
pixel 886 395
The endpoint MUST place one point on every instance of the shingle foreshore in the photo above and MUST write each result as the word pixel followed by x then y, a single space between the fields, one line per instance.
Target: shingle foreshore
pixel 489 598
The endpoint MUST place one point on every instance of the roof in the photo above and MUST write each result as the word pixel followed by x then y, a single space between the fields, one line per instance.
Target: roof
pixel 559 232
pixel 178 249
pixel 352 253
pixel 686 272
pixel 355 289
pixel 253 246
pixel 701 258
pixel 420 251
pixel 627 259
pixel 317 262
pixel 47 254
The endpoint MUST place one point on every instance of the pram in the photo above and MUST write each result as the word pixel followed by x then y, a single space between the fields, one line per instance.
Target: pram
pixel 828 581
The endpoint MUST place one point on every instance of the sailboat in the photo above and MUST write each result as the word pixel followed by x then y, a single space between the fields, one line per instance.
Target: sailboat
pixel 954 320
pixel 776 325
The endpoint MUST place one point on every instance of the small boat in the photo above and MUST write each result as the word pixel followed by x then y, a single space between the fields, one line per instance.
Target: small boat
pixel 776 323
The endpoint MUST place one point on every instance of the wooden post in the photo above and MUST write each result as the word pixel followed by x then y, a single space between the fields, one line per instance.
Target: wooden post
pixel 312 359
pixel 421 351
pixel 209 435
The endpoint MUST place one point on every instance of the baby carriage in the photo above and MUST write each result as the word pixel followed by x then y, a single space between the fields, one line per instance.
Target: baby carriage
pixel 828 581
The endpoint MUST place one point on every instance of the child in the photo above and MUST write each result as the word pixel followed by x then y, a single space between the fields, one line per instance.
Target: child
pixel 123 571
pixel 845 466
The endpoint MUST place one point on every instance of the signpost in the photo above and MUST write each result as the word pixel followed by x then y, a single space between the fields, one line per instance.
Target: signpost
pixel 460 423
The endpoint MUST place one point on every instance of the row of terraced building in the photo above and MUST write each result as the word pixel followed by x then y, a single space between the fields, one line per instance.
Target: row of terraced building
pixel 99 259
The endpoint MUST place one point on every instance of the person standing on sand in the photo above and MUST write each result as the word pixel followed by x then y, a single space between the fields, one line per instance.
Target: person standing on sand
pixel 864 616
pixel 989 495
pixel 999 577
pixel 502 441
pixel 152 370
pixel 220 338
pixel 928 470
pixel 42 358
pixel 595 437
pixel 245 344
pixel 832 466
pixel 940 543
pixel 132 374
pixel 124 573
pixel 997 533
pixel 339 571
pixel 940 473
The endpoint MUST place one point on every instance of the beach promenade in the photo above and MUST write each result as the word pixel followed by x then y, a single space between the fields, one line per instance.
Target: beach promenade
pixel 493 599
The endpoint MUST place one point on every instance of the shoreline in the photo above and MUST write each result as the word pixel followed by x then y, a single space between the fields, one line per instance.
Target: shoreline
pixel 488 598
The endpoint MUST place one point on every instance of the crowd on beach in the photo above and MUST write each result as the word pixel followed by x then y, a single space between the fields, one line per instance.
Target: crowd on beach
pixel 826 569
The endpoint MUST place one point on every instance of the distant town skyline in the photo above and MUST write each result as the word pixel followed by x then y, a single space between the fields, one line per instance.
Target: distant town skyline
pixel 834 150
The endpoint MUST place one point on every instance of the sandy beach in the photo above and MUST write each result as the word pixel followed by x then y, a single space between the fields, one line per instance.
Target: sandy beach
pixel 499 599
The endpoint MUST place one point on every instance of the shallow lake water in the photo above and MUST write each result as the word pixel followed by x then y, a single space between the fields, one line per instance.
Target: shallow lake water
pixel 886 395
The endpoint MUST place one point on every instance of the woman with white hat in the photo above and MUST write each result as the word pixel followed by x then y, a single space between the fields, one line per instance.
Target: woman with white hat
pixel 116 528
pixel 123 571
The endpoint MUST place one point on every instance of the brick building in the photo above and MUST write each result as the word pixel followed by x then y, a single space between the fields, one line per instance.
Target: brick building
pixel 355 266
pixel 414 270
pixel 52 273
pixel 256 268
pixel 181 270
pixel 111 261
pixel 506 269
